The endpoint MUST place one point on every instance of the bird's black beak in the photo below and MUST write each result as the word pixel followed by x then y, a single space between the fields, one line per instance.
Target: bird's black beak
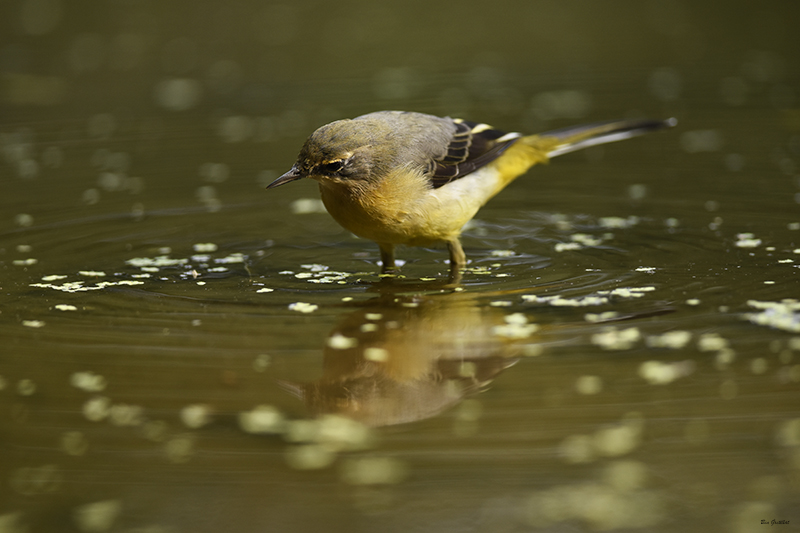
pixel 292 175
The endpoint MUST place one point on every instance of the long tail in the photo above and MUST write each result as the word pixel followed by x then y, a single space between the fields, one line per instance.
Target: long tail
pixel 534 149
pixel 566 140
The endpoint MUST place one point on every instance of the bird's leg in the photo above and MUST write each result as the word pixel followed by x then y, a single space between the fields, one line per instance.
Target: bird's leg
pixel 458 258
pixel 387 257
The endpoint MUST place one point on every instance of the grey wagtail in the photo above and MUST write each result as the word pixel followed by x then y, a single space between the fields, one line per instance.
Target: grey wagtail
pixel 397 177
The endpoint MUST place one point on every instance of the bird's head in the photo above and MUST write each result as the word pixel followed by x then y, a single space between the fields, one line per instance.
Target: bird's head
pixel 347 152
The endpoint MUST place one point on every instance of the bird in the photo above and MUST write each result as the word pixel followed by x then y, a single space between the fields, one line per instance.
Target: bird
pixel 408 178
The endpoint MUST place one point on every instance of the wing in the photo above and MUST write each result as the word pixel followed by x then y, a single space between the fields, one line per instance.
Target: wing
pixel 473 145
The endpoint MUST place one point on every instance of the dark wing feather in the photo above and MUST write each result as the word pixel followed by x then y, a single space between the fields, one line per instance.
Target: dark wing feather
pixel 473 145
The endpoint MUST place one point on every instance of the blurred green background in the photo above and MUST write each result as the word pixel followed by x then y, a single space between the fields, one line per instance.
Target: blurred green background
pixel 177 388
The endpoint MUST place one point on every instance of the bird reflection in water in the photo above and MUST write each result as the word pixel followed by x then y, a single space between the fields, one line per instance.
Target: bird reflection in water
pixel 401 358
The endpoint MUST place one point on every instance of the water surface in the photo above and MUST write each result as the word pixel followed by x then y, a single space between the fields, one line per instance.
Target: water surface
pixel 185 351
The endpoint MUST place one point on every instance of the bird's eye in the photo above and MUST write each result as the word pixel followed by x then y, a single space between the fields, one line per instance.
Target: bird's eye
pixel 333 167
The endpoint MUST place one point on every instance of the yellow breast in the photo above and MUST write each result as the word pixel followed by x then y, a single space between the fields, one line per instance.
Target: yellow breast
pixel 394 210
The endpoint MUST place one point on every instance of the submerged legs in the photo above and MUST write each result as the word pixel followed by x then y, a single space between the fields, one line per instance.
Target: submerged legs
pixel 387 257
pixel 458 259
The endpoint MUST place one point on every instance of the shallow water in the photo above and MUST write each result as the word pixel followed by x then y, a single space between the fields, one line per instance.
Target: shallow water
pixel 185 351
